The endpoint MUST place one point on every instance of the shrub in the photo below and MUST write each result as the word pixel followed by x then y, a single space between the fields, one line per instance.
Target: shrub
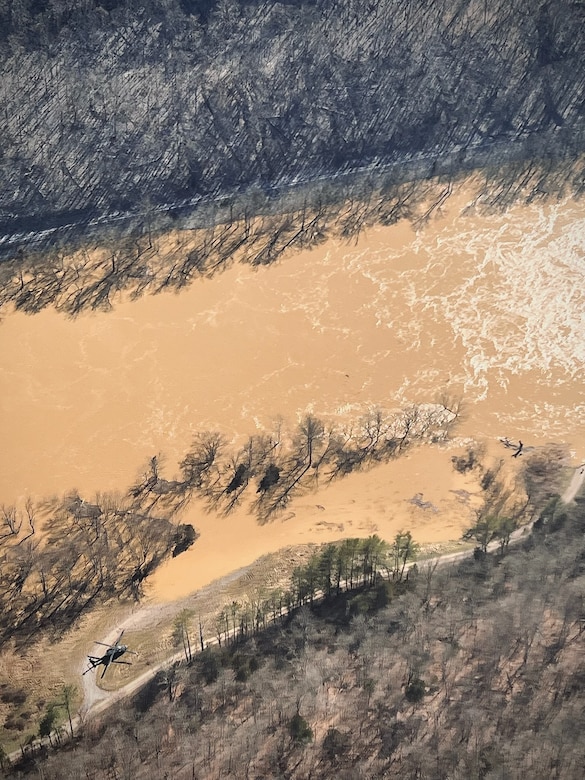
pixel 415 690
pixel 335 744
pixel 300 730
pixel 209 666
pixel 10 695
pixel 242 674
pixel 184 537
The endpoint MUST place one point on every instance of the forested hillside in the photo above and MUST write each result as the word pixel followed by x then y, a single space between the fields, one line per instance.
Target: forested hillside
pixel 133 106
pixel 468 671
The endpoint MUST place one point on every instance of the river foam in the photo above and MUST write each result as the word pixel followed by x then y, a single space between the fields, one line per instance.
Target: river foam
pixel 509 288
pixel 491 307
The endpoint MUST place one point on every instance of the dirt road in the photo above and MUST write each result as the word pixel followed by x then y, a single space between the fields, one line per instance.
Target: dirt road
pixel 97 700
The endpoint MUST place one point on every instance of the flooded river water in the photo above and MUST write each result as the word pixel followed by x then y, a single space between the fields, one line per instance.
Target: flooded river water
pixel 491 308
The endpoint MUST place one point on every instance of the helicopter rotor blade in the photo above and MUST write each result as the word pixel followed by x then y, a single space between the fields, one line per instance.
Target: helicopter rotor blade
pixel 106 665
pixel 103 644
pixel 93 661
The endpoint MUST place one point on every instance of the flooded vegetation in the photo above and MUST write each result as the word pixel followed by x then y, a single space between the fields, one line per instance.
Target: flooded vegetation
pixel 380 679
pixel 253 386
pixel 61 560
pixel 292 276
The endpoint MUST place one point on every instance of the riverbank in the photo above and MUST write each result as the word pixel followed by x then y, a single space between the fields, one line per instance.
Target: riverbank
pixel 458 305
pixel 149 626
pixel 547 164
pixel 268 573
pixel 420 492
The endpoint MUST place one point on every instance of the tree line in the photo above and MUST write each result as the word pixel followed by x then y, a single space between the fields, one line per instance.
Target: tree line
pixel 335 569
pixel 84 555
pixel 89 552
pixel 270 469
pixel 77 271
pixel 80 277
pixel 466 670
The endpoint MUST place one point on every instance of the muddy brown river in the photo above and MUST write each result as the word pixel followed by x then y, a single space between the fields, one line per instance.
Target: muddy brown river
pixel 488 307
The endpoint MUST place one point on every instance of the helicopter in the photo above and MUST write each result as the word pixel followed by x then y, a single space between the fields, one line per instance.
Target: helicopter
pixel 110 656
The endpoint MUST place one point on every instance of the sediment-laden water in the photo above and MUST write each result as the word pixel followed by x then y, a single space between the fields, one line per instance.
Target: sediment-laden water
pixel 489 307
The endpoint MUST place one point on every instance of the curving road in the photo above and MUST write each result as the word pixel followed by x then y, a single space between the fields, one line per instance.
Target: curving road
pixel 96 700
